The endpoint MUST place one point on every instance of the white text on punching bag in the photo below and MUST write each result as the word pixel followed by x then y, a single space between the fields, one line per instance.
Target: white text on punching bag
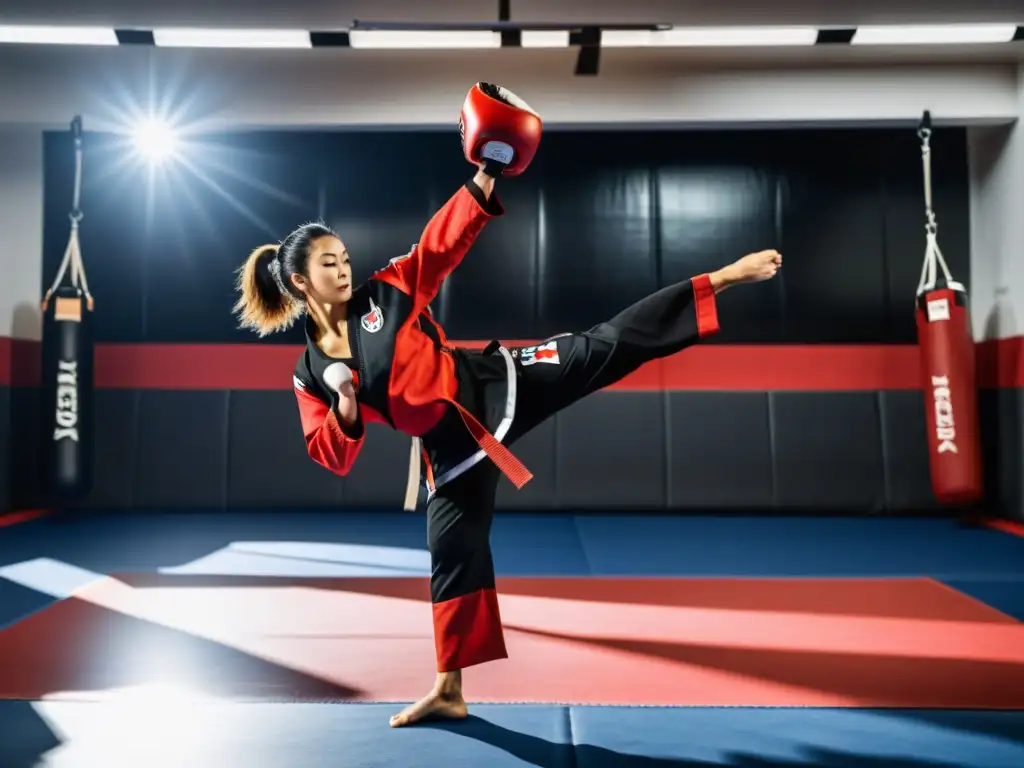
pixel 945 429
pixel 67 402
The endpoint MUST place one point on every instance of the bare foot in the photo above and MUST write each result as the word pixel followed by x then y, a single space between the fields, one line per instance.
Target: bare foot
pixel 448 706
pixel 755 267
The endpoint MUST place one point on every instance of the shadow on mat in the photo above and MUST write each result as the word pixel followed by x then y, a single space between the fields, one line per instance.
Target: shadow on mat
pixel 542 753
pixel 26 737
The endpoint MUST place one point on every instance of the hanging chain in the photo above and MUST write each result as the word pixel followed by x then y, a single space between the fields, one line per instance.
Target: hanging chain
pixel 924 132
pixel 73 252
pixel 933 258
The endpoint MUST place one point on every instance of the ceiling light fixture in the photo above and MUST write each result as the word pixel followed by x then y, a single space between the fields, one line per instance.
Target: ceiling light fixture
pixel 39 35
pixel 231 38
pixel 689 37
pixel 934 34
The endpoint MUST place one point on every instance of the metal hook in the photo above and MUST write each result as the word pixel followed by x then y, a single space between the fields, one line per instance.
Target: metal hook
pixel 924 128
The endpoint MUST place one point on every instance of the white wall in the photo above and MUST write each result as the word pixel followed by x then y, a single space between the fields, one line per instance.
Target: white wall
pixel 996 156
pixel 21 230
pixel 219 88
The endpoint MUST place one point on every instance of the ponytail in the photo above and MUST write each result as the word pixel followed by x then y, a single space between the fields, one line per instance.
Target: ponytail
pixel 263 305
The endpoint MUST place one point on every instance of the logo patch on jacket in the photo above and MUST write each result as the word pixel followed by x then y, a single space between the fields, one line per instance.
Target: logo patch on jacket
pixel 545 353
pixel 373 320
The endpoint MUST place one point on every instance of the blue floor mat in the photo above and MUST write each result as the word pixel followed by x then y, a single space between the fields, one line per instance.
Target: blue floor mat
pixel 553 544
pixel 1006 595
pixel 17 601
pixel 767 546
pixel 306 735
pixel 52 556
pixel 982 563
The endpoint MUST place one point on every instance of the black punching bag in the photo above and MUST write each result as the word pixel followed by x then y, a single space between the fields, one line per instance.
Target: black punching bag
pixel 67 379
pixel 67 396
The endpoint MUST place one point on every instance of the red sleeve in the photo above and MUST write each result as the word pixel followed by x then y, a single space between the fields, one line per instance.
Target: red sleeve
pixel 706 306
pixel 445 241
pixel 328 443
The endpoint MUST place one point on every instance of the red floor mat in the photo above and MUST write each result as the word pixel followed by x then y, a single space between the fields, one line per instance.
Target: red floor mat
pixel 778 642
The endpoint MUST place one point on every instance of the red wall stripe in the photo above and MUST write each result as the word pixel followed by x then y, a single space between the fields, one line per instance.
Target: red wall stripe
pixel 714 367
pixel 1001 363
pixel 254 366
pixel 5 361
pixel 19 362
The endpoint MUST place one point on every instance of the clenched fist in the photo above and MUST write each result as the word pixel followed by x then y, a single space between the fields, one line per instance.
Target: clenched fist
pixel 338 377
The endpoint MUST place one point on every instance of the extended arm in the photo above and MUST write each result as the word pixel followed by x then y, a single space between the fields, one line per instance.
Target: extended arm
pixel 329 443
pixel 445 241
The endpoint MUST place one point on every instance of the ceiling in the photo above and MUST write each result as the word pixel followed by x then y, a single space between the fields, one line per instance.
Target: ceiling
pixel 813 84
pixel 327 15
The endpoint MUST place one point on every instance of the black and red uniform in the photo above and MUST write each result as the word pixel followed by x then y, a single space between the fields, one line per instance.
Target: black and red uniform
pixel 469 406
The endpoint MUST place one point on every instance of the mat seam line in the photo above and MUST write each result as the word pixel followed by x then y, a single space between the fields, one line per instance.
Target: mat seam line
pixel 666 433
pixel 583 549
pixel 582 705
pixel 573 763
pixel 883 436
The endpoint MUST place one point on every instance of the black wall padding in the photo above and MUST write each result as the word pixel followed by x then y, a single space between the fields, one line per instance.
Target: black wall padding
pixel 610 452
pixel 688 451
pixel 7 450
pixel 598 221
pixel 703 428
pixel 267 465
pixel 26 440
pixel 790 451
pixel 116 458
pixel 827 450
pixel 1001 420
pixel 583 238
pixel 906 465
pixel 182 449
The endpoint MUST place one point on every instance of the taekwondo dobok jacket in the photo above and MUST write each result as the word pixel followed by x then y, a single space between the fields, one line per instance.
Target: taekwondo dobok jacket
pixel 405 372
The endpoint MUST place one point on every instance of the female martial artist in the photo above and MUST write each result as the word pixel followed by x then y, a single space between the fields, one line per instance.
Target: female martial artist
pixel 374 354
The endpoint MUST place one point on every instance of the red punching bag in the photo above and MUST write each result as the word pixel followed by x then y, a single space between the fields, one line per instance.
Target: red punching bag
pixel 947 365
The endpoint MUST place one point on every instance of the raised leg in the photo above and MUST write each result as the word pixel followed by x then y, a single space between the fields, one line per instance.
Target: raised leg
pixel 571 366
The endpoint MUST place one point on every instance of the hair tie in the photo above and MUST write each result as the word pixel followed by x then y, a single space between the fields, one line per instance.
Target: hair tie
pixel 275 271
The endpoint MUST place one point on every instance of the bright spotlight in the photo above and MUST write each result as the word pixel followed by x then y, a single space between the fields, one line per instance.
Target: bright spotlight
pixel 156 141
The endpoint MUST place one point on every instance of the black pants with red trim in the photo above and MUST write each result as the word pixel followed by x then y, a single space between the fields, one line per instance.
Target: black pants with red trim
pixel 551 376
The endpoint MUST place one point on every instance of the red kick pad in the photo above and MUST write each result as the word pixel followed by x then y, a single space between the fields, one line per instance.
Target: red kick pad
pixel 757 642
